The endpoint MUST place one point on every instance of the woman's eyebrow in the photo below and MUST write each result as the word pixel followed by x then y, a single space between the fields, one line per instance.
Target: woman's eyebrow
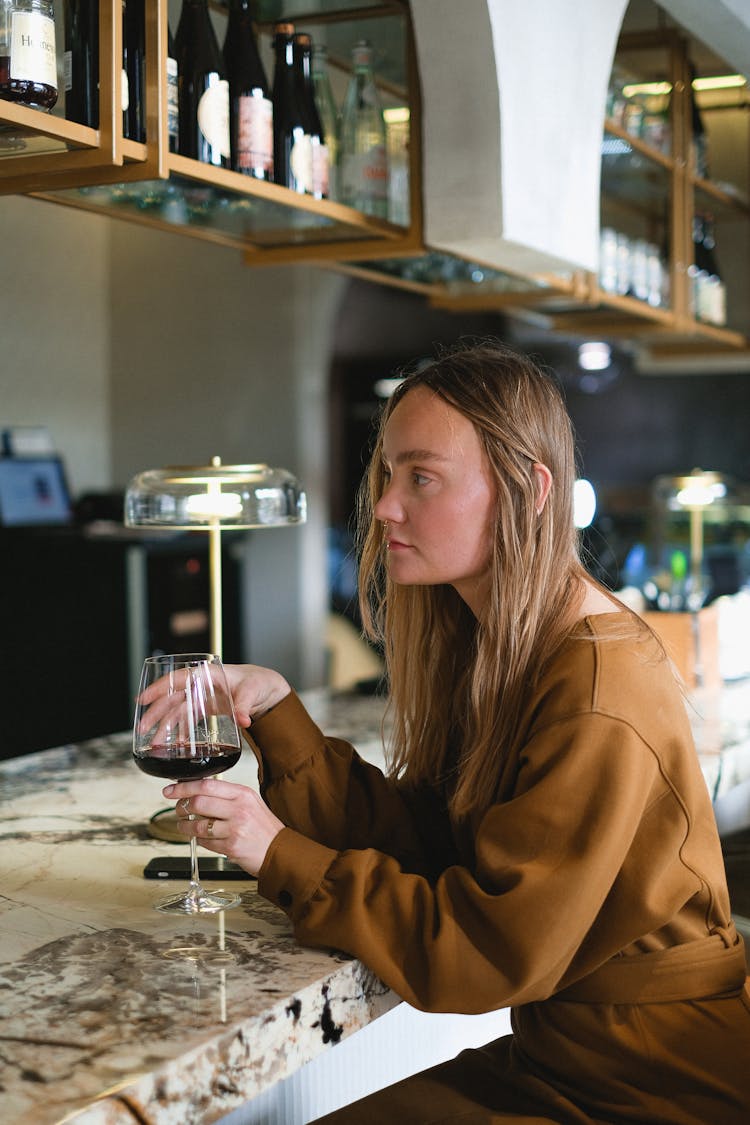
pixel 418 455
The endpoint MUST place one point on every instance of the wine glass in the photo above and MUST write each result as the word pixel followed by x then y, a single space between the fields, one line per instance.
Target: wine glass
pixel 187 731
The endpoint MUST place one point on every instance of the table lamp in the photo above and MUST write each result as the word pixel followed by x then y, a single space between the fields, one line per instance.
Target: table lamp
pixel 211 498
pixel 694 493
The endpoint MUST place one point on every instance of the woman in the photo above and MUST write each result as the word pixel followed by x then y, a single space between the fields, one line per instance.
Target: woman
pixel 545 839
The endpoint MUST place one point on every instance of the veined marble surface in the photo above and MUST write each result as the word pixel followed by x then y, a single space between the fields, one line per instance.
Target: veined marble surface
pixel 104 1017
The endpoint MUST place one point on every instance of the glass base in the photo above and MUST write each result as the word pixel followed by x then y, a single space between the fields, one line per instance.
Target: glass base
pixel 198 901
pixel 199 955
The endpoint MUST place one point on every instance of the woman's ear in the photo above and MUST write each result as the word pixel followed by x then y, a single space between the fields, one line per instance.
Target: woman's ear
pixel 543 482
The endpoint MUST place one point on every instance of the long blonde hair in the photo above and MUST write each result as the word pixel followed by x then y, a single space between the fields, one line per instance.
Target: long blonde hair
pixel 457 685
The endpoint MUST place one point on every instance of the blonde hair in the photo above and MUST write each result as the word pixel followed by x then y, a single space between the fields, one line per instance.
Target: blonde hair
pixel 457 685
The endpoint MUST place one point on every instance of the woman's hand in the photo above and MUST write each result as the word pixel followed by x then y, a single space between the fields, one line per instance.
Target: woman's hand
pixel 231 819
pixel 254 691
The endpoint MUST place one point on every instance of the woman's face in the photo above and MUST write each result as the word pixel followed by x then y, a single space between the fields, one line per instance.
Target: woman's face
pixel 438 499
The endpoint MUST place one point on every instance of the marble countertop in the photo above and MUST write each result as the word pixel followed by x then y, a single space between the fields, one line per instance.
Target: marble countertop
pixel 104 1019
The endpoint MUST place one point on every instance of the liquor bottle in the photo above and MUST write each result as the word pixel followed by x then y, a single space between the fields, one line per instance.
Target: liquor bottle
pixel 302 52
pixel 250 108
pixel 709 293
pixel 28 53
pixel 363 158
pixel 292 158
pixel 81 62
pixel 329 114
pixel 173 110
pixel 203 88
pixel 134 50
pixel 699 138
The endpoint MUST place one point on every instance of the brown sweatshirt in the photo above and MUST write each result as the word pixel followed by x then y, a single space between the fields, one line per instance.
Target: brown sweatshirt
pixel 600 848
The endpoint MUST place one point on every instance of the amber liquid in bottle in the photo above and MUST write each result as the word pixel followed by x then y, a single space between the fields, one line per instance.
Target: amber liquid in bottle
pixel 28 56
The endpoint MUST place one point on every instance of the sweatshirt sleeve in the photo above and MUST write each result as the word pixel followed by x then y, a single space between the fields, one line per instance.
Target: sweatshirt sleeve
pixel 581 860
pixel 322 788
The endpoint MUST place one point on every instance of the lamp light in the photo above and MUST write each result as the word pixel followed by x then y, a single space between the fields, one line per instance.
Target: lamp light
pixel 584 503
pixel 694 493
pixel 211 498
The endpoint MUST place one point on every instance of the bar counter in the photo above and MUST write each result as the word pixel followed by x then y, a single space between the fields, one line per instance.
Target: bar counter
pixel 107 1018
pixel 104 1019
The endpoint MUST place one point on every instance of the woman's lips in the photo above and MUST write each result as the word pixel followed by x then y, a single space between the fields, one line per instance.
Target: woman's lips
pixel 397 545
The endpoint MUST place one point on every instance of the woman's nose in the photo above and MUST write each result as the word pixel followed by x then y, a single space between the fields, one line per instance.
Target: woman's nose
pixel 388 509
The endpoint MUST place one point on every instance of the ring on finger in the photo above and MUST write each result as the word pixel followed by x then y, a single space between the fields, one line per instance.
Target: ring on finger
pixel 185 804
pixel 210 829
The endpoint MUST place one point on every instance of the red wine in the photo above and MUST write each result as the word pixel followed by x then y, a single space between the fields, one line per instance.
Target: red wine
pixel 81 62
pixel 203 90
pixel 250 109
pixel 28 65
pixel 302 55
pixel 182 762
pixel 134 53
pixel 292 152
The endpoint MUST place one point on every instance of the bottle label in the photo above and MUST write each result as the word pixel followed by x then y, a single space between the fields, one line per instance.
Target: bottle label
pixel 300 162
pixel 33 57
pixel 365 178
pixel 68 71
pixel 213 115
pixel 255 133
pixel 320 169
pixel 125 90
pixel 173 113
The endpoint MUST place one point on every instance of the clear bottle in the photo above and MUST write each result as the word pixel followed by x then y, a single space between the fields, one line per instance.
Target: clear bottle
pixel 81 62
pixel 313 126
pixel 329 114
pixel 363 158
pixel 250 107
pixel 28 53
pixel 203 87
pixel 292 158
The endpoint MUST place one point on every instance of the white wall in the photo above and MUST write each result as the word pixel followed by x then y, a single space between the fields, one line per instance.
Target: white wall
pixel 211 357
pixel 54 328
pixel 139 349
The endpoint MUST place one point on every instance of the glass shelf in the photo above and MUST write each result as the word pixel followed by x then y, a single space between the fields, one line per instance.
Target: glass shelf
pixel 30 132
pixel 447 277
pixel 634 178
pixel 215 204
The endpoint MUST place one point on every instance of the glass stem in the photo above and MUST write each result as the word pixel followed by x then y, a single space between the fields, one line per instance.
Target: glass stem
pixel 195 886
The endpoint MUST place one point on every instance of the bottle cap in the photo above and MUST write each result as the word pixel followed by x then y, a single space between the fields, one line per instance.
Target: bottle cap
pixel 284 30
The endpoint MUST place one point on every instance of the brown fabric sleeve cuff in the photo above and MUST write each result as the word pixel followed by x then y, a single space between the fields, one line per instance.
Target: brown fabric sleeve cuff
pixel 292 871
pixel 284 738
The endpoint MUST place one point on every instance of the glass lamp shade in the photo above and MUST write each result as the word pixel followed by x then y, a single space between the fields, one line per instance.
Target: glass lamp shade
pixel 191 498
pixel 697 489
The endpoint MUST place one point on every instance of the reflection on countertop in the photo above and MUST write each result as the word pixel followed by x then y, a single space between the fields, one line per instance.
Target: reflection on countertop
pixel 105 1019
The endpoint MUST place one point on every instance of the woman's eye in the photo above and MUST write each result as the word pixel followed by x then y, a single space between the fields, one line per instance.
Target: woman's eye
pixel 420 480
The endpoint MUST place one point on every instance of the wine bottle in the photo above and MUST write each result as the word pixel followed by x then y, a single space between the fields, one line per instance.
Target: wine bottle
pixel 250 108
pixel 363 159
pixel 81 62
pixel 134 50
pixel 292 158
pixel 28 53
pixel 302 53
pixel 173 110
pixel 203 88
pixel 329 114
